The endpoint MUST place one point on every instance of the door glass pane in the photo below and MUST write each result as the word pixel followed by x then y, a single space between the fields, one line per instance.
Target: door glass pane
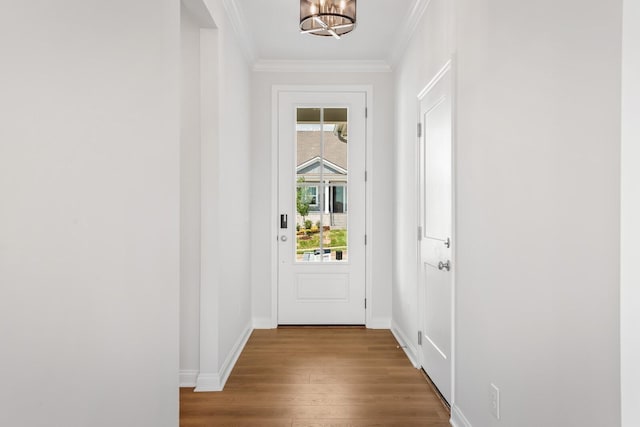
pixel 321 185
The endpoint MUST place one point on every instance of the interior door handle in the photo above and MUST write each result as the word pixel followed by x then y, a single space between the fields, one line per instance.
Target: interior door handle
pixel 444 265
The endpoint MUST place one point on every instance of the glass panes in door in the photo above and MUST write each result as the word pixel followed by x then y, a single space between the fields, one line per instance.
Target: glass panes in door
pixel 321 190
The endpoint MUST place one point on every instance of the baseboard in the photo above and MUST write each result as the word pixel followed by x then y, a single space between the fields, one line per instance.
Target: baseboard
pixel 458 419
pixel 216 381
pixel 379 323
pixel 188 378
pixel 208 382
pixel 410 350
pixel 269 323
pixel 264 323
pixel 234 354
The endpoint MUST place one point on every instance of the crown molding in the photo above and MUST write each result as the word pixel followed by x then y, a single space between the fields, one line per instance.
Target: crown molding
pixel 319 66
pixel 236 17
pixel 409 26
pixel 200 12
pixel 238 22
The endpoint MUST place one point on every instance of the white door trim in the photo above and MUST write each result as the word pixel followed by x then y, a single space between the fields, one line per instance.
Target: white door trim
pixel 274 231
pixel 450 67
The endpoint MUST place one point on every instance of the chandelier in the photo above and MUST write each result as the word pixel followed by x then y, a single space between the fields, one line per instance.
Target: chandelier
pixel 327 17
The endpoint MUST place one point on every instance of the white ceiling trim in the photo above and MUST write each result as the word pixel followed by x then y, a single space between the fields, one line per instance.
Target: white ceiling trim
pixel 316 66
pixel 238 22
pixel 410 24
pixel 200 12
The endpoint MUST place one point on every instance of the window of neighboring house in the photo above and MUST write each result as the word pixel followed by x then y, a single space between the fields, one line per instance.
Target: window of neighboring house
pixel 339 201
pixel 312 196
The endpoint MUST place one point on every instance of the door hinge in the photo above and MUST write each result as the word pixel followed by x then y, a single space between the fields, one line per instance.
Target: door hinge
pixel 365 176
pixel 365 239
pixel 419 337
pixel 365 303
pixel 419 233
pixel 419 130
pixel 366 112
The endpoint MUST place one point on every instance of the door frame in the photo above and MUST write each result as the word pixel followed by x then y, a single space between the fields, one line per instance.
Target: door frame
pixel 274 212
pixel 449 67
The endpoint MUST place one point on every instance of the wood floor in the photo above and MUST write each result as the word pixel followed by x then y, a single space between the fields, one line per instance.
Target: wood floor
pixel 318 377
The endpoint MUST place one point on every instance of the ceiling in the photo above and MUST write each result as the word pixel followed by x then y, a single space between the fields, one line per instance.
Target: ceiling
pixel 272 33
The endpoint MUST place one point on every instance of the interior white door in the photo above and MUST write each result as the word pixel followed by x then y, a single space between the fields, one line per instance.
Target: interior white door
pixel 435 198
pixel 321 199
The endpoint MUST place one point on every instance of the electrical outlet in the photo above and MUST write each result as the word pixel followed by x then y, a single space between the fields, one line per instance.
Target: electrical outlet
pixel 494 396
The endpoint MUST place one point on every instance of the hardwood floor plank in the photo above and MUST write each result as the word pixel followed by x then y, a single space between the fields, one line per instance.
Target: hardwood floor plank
pixel 269 379
pixel 385 422
pixel 364 379
pixel 319 411
pixel 328 369
pixel 318 377
pixel 373 389
pixel 232 422
pixel 239 398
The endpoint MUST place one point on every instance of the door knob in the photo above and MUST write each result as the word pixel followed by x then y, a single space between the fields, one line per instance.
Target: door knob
pixel 283 238
pixel 444 265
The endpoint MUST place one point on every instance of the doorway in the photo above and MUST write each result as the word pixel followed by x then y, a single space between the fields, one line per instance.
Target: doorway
pixel 321 256
pixel 435 226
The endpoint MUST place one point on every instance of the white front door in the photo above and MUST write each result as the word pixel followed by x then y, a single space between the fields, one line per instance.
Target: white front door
pixel 321 198
pixel 435 197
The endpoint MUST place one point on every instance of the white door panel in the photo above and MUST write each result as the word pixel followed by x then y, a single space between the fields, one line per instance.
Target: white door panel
pixel 435 186
pixel 437 133
pixel 436 331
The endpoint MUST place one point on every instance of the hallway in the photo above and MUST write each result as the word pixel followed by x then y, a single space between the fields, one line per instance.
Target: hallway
pixel 318 377
pixel 140 226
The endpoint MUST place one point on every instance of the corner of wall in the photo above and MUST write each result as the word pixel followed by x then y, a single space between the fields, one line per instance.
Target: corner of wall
pixel 208 382
pixel 407 346
pixel 457 418
pixel 188 378
pixel 264 323
pixel 630 228
pixel 216 381
pixel 379 323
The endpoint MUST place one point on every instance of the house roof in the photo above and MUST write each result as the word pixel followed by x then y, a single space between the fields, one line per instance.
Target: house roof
pixel 316 166
pixel 335 151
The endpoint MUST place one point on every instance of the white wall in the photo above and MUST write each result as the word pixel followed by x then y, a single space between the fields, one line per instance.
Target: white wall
pixel 538 200
pixel 630 280
pixel 190 198
pixel 538 211
pixel 233 189
pixel 235 194
pixel 429 50
pixel 216 200
pixel 89 218
pixel 381 177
